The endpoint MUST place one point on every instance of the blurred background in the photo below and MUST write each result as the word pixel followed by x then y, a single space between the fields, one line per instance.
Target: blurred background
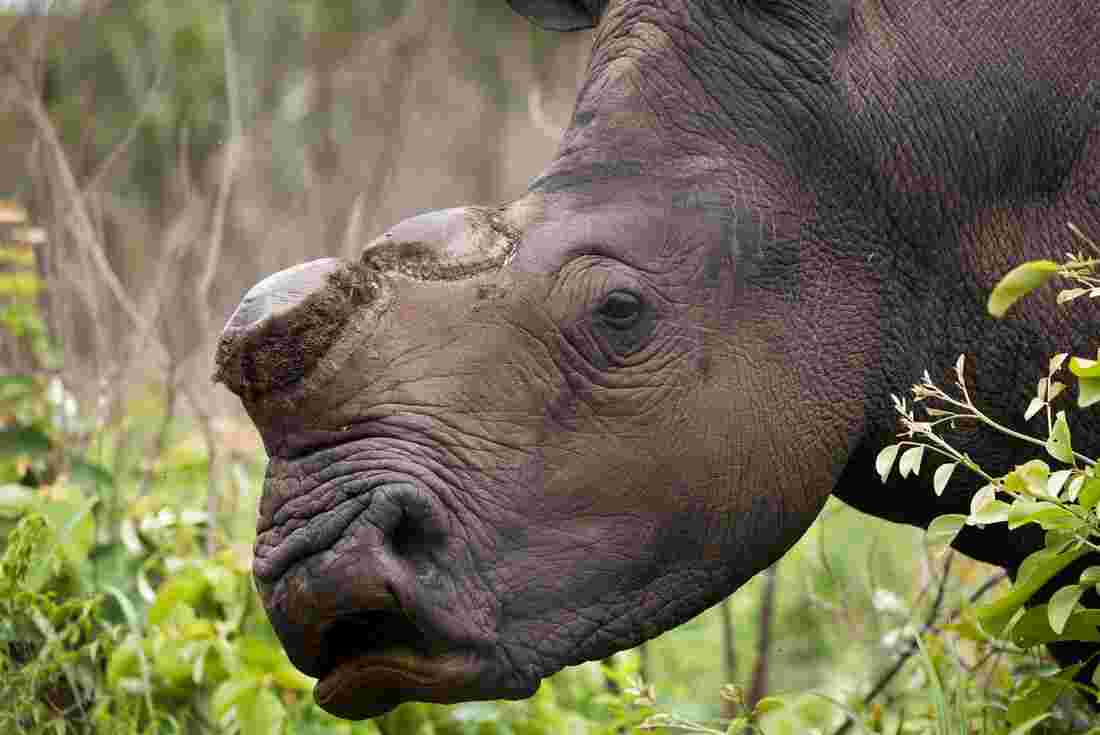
pixel 157 158
pixel 177 153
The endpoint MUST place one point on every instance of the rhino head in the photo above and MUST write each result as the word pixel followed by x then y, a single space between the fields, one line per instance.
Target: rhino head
pixel 509 439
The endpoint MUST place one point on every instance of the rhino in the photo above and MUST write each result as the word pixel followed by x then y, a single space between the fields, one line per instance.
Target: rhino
pixel 508 439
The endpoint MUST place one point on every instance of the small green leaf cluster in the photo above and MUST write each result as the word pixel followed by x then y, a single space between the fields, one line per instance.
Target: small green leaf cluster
pixel 1057 491
pixel 51 649
pixel 118 623
pixel 20 284
pixel 745 720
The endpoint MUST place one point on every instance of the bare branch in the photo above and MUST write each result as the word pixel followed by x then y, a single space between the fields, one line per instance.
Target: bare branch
pixel 759 686
pixel 79 221
pixel 229 170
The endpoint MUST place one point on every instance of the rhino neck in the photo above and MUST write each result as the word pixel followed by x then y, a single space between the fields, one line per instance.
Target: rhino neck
pixel 965 144
pixel 935 277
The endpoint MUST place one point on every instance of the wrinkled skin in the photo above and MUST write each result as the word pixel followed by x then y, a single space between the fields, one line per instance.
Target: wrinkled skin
pixel 510 439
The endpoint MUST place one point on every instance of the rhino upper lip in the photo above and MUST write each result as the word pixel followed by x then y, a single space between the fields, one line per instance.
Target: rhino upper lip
pixel 369 633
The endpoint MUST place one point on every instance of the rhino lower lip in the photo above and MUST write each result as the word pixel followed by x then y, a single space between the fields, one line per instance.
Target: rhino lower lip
pixel 371 684
pixel 376 660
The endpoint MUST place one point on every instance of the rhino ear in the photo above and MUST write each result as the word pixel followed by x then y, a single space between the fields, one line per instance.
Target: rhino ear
pixel 561 15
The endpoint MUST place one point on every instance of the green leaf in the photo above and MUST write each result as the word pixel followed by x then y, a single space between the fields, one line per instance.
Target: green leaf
pixel 1073 490
pixel 885 461
pixel 260 712
pixel 995 511
pixel 1096 677
pixel 1084 368
pixel 1018 282
pixel 15 500
pixel 186 589
pixel 229 693
pixel 943 529
pixel 737 726
pixel 14 386
pixel 260 655
pixel 1033 563
pixel 1035 571
pixel 1088 391
pixel 1061 606
pixel 223 584
pixel 1009 629
pixel 1056 481
pixel 126 606
pixel 1033 475
pixel 1026 727
pixel 1058 443
pixel 1033 627
pixel 125 661
pixel 1090 493
pixel 19 285
pixel 1036 702
pixel 289 677
pixel 1045 514
pixel 1033 408
pixel 23 441
pixel 91 476
pixel 910 461
pixel 74 518
pixel 942 475
pixel 767 704
pixel 1091 575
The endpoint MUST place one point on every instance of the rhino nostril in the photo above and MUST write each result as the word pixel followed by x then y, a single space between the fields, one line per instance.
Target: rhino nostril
pixel 404 514
pixel 411 538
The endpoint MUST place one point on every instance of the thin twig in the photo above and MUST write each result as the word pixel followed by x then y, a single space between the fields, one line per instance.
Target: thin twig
pixel 729 653
pixel 156 451
pixel 229 170
pixel 759 685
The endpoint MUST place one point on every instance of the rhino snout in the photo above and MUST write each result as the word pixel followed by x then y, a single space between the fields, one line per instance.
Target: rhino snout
pixel 343 587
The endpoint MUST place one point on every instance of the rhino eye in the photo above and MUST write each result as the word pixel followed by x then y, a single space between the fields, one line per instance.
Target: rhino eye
pixel 621 310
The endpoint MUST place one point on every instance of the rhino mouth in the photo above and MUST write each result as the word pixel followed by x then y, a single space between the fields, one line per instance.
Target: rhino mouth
pixel 367 620
pixel 378 660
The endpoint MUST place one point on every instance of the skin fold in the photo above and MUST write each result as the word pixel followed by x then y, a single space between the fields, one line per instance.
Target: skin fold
pixel 513 438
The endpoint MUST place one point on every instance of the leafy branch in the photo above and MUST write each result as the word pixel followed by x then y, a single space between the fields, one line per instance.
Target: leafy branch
pixel 1059 491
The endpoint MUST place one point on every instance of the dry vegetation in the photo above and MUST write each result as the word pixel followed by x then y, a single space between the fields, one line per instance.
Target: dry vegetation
pixel 326 143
